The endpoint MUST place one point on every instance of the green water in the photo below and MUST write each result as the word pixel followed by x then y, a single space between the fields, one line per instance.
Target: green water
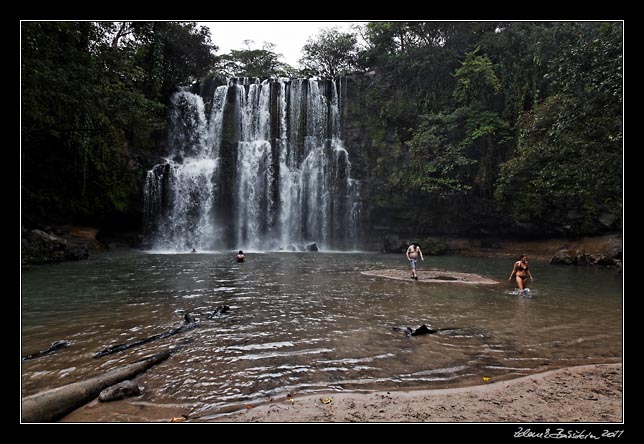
pixel 307 322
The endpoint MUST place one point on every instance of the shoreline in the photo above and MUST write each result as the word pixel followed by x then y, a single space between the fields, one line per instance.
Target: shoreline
pixel 586 393
pixel 589 393
pixel 47 244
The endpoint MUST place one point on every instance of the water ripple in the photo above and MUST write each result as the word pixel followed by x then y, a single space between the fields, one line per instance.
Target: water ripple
pixel 305 323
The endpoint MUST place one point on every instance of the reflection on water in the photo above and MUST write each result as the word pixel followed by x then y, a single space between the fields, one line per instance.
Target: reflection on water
pixel 307 322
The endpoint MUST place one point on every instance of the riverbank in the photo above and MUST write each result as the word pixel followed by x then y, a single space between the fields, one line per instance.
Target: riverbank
pixel 609 245
pixel 64 243
pixel 589 393
pixel 581 394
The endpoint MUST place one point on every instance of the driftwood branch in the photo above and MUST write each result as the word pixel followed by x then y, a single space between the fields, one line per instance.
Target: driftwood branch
pixel 189 325
pixel 52 405
pixel 53 347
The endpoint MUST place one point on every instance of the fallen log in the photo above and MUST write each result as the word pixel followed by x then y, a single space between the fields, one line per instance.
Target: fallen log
pixel 189 325
pixel 53 347
pixel 52 405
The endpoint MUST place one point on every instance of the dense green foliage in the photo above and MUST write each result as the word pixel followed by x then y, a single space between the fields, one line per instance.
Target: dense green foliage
pixel 496 127
pixel 568 164
pixel 468 127
pixel 94 100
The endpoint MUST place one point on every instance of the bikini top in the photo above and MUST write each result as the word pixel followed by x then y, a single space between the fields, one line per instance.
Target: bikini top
pixel 520 267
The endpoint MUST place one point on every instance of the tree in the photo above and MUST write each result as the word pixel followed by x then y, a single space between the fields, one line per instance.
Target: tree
pixel 93 99
pixel 477 82
pixel 438 161
pixel 249 62
pixel 330 54
pixel 567 171
pixel 172 54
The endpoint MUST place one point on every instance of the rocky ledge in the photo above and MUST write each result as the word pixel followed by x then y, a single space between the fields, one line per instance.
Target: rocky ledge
pixel 602 250
pixel 580 257
pixel 57 244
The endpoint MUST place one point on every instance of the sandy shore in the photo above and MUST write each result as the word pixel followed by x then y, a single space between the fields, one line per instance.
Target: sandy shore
pixel 589 393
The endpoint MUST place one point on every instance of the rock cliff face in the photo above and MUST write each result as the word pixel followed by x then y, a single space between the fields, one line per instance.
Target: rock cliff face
pixel 377 136
pixel 603 251
pixel 378 148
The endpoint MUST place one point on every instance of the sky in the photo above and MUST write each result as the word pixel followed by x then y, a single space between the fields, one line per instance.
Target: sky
pixel 288 37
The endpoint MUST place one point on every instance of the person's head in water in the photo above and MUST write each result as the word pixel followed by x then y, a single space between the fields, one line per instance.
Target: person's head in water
pixel 240 252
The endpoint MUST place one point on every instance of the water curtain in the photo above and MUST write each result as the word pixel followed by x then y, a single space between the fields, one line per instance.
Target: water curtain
pixel 257 165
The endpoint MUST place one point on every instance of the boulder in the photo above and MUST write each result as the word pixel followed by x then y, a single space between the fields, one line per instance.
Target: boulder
pixel 608 220
pixel 51 405
pixel 563 257
pixel 312 247
pixel 581 258
pixel 56 244
pixel 39 247
pixel 600 259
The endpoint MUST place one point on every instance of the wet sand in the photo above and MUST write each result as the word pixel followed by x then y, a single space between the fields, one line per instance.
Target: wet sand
pixel 581 394
pixel 589 393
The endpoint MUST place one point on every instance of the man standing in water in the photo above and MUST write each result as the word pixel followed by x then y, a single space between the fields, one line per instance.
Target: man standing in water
pixel 413 252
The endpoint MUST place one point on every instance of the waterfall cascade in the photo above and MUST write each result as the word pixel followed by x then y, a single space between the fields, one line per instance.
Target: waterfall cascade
pixel 264 168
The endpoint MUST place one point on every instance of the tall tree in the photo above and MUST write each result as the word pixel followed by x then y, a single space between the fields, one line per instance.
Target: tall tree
pixel 249 62
pixel 330 54
pixel 171 54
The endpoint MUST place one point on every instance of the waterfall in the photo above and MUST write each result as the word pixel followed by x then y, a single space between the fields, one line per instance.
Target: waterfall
pixel 266 169
pixel 178 194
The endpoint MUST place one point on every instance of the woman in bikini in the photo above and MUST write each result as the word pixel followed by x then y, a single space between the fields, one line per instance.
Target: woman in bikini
pixel 521 271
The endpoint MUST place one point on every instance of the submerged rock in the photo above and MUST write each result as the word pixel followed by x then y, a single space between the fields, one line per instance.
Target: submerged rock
pixel 422 330
pixel 125 389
